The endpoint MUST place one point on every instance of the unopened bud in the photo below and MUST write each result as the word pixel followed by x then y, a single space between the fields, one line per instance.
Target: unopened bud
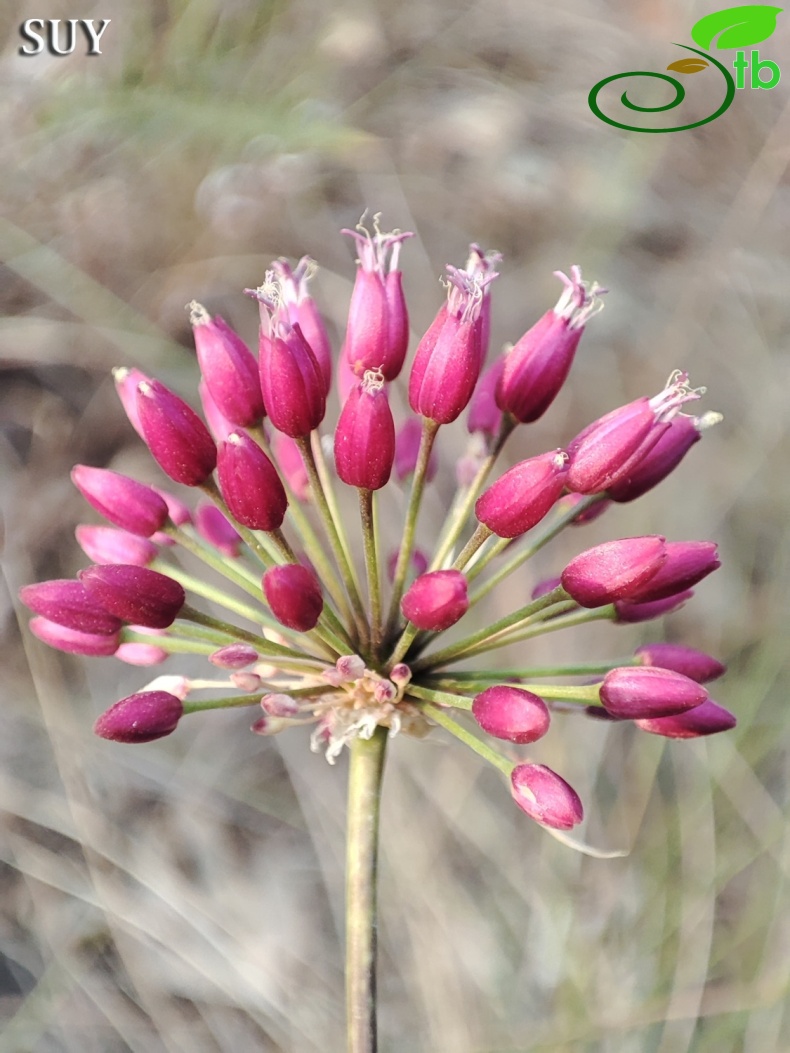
pixel 511 713
pixel 636 693
pixel 614 570
pixel 135 594
pixel 142 717
pixel 294 595
pixel 128 504
pixel 436 600
pixel 545 796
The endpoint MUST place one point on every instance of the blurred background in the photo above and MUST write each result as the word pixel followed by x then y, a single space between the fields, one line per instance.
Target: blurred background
pixel 187 895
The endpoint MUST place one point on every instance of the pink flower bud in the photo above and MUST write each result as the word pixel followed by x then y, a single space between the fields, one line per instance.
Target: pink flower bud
pixel 664 457
pixel 234 656
pixel 219 425
pixel 692 663
pixel 215 527
pixel 418 562
pixel 448 358
pixel 126 381
pixel 178 511
pixel 141 654
pixel 250 484
pixel 135 594
pixel 483 265
pixel 436 600
pixel 545 796
pixel 246 682
pixel 110 545
pixel 178 439
pixel 123 501
pixel 294 389
pixel 544 587
pixel 294 594
pixel 687 563
pixel 611 448
pixel 302 310
pixel 377 334
pixel 365 436
pixel 350 667
pixel 280 706
pixel 92 645
pixel 484 414
pixel 67 602
pixel 143 717
pixel 637 693
pixel 407 448
pixel 511 713
pixel 228 367
pixel 290 463
pixel 538 365
pixel 523 495
pixel 614 570
pixel 630 613
pixel 706 719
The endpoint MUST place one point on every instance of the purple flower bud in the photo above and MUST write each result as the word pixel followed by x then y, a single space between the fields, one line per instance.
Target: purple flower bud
pixel 93 645
pixel 419 562
pixel 436 600
pixel 482 264
pixel 544 587
pixel 484 414
pixel 365 436
pixel 143 717
pixel 588 515
pixel 250 484
pixel 110 545
pixel 279 705
pixel 215 527
pixel 294 594
pixel 68 603
pixel 637 693
pixel 377 334
pixel 228 367
pixel 511 713
pixel 538 365
pixel 687 563
pixel 219 425
pixel 123 501
pixel 707 719
pixel 289 461
pixel 234 656
pixel 523 495
pixel 294 389
pixel 614 570
pixel 630 613
pixel 135 594
pixel 692 663
pixel 612 447
pixel 126 381
pixel 350 667
pixel 178 439
pixel 664 457
pixel 141 654
pixel 448 358
pixel 302 310
pixel 407 448
pixel 178 511
pixel 545 796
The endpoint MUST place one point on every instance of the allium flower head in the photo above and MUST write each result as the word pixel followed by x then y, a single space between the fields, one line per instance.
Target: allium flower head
pixel 317 620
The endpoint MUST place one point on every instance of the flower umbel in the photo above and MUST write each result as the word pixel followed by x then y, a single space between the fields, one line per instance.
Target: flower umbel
pixel 324 626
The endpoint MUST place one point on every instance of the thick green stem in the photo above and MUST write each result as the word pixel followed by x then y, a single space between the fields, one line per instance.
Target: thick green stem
pixel 364 797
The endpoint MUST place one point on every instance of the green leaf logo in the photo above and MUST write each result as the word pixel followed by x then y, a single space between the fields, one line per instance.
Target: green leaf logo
pixel 688 65
pixel 736 27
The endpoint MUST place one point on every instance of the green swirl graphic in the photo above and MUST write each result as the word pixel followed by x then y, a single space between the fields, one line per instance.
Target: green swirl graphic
pixel 680 94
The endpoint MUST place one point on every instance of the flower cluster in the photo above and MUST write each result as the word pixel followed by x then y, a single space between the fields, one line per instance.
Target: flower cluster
pixel 312 635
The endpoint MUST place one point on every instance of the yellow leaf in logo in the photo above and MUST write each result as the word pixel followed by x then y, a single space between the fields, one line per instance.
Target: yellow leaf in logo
pixel 688 65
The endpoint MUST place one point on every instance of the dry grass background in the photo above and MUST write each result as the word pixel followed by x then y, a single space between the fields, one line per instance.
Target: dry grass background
pixel 187 895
